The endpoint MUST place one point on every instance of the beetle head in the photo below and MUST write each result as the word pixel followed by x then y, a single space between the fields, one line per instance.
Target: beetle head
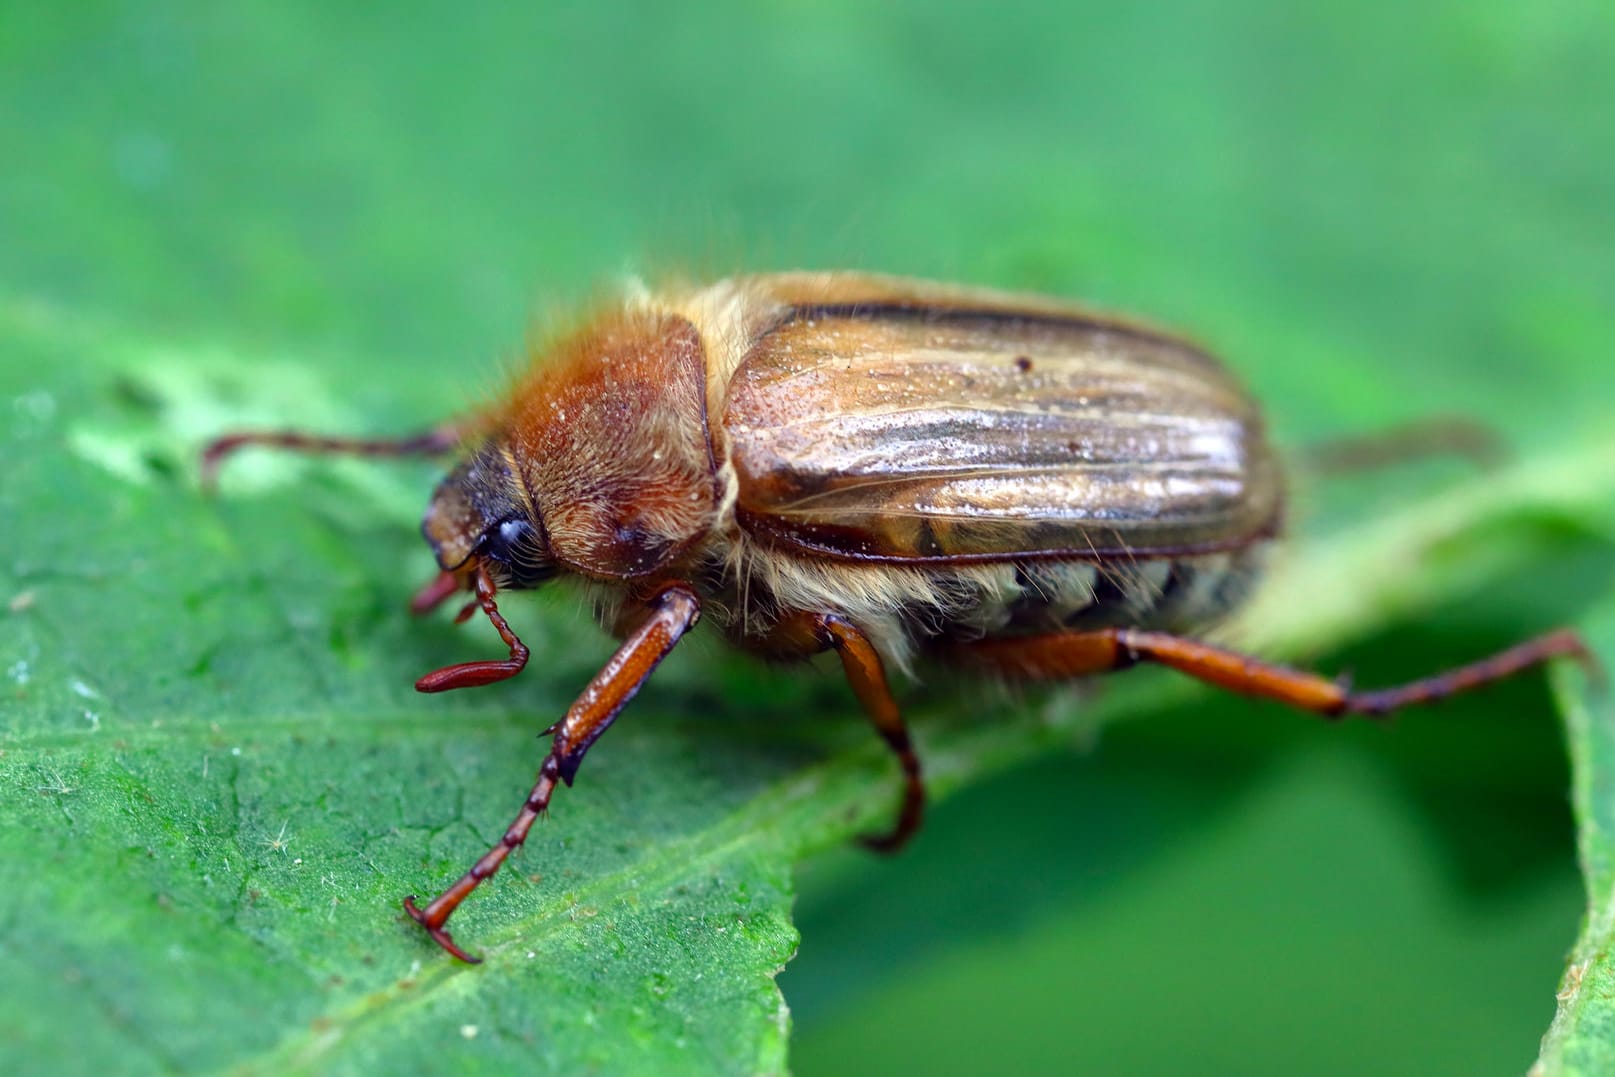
pixel 481 515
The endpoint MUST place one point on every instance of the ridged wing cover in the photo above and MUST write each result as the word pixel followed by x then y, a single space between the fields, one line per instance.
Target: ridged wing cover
pixel 898 431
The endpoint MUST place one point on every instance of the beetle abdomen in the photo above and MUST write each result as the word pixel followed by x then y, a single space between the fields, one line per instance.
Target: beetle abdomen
pixel 1174 594
pixel 909 609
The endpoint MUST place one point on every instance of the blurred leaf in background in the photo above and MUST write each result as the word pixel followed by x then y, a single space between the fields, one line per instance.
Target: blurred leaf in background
pixel 218 782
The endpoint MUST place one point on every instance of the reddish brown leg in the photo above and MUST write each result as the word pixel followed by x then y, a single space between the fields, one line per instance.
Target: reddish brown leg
pixel 867 676
pixel 1075 654
pixel 432 443
pixel 1438 436
pixel 475 674
pixel 435 593
pixel 671 614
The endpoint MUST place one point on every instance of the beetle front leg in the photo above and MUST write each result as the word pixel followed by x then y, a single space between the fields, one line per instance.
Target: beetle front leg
pixel 436 442
pixel 1075 654
pixel 867 675
pixel 672 613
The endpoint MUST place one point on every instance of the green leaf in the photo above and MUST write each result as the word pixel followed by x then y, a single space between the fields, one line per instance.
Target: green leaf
pixel 218 780
pixel 1582 1037
pixel 223 784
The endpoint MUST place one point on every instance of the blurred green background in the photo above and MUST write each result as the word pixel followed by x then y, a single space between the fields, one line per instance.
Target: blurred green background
pixel 1377 213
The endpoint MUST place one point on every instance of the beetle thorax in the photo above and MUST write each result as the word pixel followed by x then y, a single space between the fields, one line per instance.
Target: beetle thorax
pixel 609 438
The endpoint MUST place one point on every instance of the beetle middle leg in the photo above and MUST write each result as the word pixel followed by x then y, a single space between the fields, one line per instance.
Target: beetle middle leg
pixel 1061 655
pixel 671 613
pixel 867 675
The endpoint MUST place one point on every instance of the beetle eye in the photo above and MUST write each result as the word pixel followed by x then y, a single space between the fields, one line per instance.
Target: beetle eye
pixel 512 532
pixel 518 547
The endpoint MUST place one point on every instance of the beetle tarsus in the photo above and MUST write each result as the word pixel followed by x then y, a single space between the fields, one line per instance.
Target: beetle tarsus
pixel 438 911
pixel 909 817
pixel 1437 436
pixel 1561 643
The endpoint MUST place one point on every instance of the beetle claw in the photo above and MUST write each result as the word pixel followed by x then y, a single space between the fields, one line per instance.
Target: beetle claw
pixel 884 844
pixel 439 936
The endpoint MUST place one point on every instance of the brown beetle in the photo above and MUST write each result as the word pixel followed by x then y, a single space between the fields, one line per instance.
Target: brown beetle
pixel 884 468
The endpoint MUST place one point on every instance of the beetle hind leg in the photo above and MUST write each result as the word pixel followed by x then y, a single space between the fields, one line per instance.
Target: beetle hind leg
pixel 867 675
pixel 1062 655
pixel 1436 437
